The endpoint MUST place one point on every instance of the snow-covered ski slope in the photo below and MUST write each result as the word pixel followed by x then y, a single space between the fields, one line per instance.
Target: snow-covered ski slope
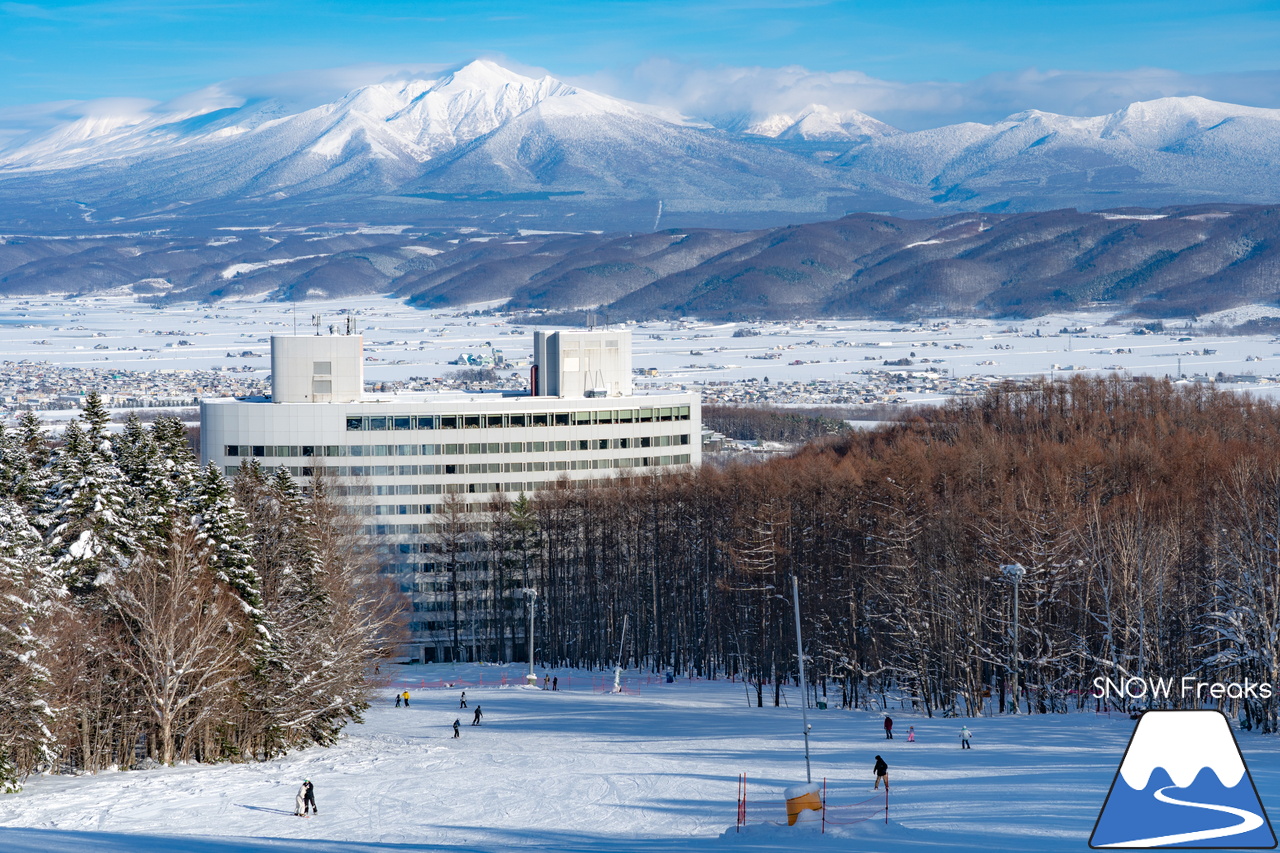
pixel 577 770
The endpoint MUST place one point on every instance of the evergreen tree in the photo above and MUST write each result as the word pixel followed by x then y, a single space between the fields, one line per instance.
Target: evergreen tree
pixel 28 592
pixel 27 475
pixel 225 527
pixel 91 523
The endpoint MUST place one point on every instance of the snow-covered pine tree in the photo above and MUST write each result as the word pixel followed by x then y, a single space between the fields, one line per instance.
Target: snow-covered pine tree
pixel 146 471
pixel 170 435
pixel 24 472
pixel 29 590
pixel 225 527
pixel 92 530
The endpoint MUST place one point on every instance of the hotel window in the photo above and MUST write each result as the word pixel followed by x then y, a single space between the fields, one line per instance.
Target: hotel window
pixel 321 386
pixel 322 368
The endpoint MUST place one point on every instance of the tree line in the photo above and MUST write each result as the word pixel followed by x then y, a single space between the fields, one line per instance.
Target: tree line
pixel 1146 515
pixel 152 610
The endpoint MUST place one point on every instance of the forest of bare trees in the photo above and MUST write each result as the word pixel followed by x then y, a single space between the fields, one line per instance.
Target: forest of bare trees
pixel 1147 517
pixel 153 611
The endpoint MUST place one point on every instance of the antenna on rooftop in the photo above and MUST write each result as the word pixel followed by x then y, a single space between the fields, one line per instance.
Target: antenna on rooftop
pixel 315 321
pixel 351 325
pixel 591 321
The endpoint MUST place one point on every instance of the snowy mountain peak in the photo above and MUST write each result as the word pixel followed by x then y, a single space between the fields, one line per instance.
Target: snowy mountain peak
pixel 820 122
pixel 1165 121
pixel 484 74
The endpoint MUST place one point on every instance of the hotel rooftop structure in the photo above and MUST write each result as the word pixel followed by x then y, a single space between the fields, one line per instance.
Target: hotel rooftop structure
pixel 399 457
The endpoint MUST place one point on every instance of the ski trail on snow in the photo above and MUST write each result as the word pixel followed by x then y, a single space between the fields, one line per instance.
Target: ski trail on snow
pixel 1249 822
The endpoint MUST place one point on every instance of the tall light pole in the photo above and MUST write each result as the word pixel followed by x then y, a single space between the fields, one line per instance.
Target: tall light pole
pixel 804 687
pixel 1014 572
pixel 531 595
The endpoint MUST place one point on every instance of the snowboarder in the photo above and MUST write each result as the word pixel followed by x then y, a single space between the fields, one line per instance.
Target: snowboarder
pixel 462 703
pixel 476 721
pixel 888 727
pixel 456 730
pixel 306 798
pixel 555 683
pixel 965 734
pixel 882 772
pixel 911 734
pixel 406 698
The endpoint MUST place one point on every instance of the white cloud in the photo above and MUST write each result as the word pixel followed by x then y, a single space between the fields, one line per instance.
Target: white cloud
pixel 721 92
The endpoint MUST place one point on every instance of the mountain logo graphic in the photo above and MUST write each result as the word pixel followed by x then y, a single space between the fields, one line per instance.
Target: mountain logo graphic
pixel 1183 783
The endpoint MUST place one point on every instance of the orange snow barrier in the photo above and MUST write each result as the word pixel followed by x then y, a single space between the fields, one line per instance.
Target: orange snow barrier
pixel 799 798
pixel 803 798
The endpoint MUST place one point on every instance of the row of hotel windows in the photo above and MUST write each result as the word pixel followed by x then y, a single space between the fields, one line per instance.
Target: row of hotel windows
pixel 480 468
pixel 477 622
pixel 328 451
pixel 527 419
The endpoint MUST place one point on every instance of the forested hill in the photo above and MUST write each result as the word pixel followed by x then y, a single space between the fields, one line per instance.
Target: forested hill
pixel 1172 262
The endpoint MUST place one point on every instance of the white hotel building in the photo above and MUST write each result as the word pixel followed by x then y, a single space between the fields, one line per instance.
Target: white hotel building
pixel 399 455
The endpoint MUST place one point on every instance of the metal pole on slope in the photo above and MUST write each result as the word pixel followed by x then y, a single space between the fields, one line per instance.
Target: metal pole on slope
pixel 532 596
pixel 795 599
pixel 1014 572
pixel 617 670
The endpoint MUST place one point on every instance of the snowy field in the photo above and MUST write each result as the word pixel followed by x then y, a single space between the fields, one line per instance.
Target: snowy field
pixel 402 342
pixel 576 770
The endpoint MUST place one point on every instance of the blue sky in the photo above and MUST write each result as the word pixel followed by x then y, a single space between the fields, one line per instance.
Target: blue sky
pixel 975 59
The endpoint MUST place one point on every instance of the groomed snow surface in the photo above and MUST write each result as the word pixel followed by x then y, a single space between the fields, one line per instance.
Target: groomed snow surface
pixel 650 771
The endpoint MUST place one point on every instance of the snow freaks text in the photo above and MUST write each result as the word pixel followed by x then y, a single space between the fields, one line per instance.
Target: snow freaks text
pixel 1187 687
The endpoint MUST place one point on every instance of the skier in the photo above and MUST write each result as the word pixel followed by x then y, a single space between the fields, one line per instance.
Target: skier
pixel 476 721
pixel 398 700
pixel 882 772
pixel 965 734
pixel 406 698
pixel 555 683
pixel 463 700
pixel 456 724
pixel 911 734
pixel 888 727
pixel 546 682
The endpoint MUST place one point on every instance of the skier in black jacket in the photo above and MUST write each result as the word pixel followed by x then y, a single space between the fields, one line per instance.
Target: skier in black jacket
pixel 882 772
pixel 476 721
pixel 309 797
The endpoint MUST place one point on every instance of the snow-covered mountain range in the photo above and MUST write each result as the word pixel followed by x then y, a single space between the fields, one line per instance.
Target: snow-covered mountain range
pixel 484 142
